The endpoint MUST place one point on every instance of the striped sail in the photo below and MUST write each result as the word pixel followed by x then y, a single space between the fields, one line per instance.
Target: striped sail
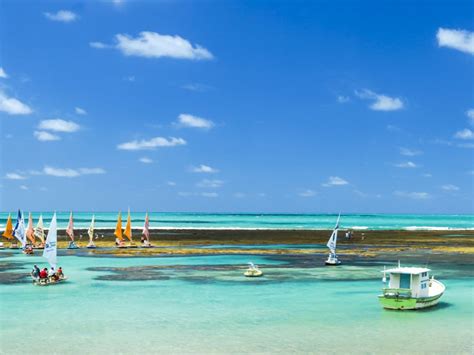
pixel 70 228
pixel 8 233
pixel 30 232
pixel 39 230
pixel 19 231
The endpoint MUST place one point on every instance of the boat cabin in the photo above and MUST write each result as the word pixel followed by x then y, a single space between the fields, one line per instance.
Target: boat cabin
pixel 414 281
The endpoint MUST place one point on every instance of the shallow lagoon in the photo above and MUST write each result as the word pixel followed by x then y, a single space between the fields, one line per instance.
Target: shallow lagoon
pixel 204 304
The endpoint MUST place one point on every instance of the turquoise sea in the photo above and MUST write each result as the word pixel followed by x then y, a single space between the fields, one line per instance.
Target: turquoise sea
pixel 203 304
pixel 262 221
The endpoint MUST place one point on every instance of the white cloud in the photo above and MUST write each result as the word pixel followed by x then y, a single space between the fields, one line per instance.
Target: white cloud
pixel 413 195
pixel 343 99
pixel 196 87
pixel 154 45
pixel 407 164
pixel 145 160
pixel 44 136
pixel 71 173
pixel 23 187
pixel 464 134
pixel 80 111
pixel 380 102
pixel 450 187
pixel 204 169
pixel 15 176
pixel 470 115
pixel 335 181
pixel 307 193
pixel 209 194
pixel 59 125
pixel 206 183
pixel 3 74
pixel 61 16
pixel 187 120
pixel 410 152
pixel 151 143
pixel 99 45
pixel 456 39
pixel 13 106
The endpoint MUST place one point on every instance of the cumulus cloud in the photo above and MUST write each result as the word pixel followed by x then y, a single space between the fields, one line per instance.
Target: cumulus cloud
pixel 413 195
pixel 61 16
pixel 450 187
pixel 207 183
pixel 59 125
pixel 13 106
pixel 335 181
pixel 80 111
pixel 154 45
pixel 461 40
pixel 407 164
pixel 307 193
pixel 187 120
pixel 71 173
pixel 380 102
pixel 464 134
pixel 151 144
pixel 145 160
pixel 15 176
pixel 204 169
pixel 3 74
pixel 410 152
pixel 44 136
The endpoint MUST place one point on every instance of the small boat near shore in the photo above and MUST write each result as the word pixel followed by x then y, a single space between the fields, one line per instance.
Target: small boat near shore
pixel 332 259
pixel 410 288
pixel 253 271
pixel 90 233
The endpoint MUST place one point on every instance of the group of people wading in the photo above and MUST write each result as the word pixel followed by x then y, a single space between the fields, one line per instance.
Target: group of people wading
pixel 45 275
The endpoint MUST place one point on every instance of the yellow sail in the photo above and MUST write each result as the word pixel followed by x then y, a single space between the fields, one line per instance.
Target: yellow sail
pixel 118 228
pixel 8 229
pixel 128 227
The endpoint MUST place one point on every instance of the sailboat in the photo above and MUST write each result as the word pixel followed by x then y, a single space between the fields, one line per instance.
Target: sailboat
pixel 39 232
pixel 50 253
pixel 90 232
pixel 30 236
pixel 332 242
pixel 146 232
pixel 70 233
pixel 128 231
pixel 119 233
pixel 8 233
pixel 19 231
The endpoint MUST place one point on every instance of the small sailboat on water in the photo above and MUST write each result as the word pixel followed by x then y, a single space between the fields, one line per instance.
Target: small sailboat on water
pixel 30 236
pixel 70 233
pixel 332 259
pixel 128 231
pixel 8 233
pixel 19 232
pixel 50 254
pixel 146 232
pixel 119 243
pixel 39 232
pixel 253 271
pixel 90 232
pixel 410 288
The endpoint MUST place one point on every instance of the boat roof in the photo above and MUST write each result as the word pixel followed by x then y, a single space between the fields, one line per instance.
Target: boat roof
pixel 407 270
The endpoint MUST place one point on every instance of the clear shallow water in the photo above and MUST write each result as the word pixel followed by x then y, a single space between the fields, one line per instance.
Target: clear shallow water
pixel 263 221
pixel 203 304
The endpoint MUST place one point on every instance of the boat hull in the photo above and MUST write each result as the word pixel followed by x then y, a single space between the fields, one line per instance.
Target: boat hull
pixel 333 263
pixel 408 303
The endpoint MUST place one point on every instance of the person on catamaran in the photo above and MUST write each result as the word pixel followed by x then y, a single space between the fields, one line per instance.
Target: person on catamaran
pixel 36 272
pixel 43 274
pixel 59 273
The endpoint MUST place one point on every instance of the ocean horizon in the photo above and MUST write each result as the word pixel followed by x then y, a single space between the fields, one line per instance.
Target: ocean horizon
pixel 255 221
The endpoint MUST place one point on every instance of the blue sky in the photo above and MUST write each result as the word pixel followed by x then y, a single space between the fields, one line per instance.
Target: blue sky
pixel 217 106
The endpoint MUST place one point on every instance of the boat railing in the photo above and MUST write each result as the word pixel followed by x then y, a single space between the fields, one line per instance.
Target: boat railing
pixel 397 292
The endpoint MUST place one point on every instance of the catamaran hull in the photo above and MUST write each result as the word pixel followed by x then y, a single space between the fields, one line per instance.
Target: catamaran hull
pixel 333 263
pixel 409 303
pixel 48 283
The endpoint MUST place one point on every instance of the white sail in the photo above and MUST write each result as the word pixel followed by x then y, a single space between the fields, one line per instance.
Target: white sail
pixel 39 230
pixel 19 231
pixel 90 231
pixel 50 248
pixel 332 242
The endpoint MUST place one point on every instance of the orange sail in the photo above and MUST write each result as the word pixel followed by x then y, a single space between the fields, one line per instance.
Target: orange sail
pixel 8 229
pixel 30 232
pixel 118 228
pixel 128 227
